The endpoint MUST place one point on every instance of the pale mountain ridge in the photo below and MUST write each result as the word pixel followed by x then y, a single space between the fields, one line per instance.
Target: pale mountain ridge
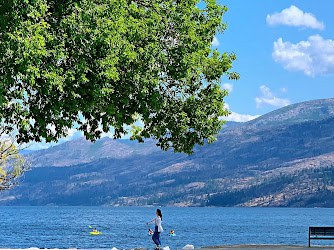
pixel 80 151
pixel 314 110
pixel 251 164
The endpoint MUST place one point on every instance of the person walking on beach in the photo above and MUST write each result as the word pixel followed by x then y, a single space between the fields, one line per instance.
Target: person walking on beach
pixel 158 228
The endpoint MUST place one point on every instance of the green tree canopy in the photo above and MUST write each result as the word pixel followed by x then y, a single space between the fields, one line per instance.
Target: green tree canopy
pixel 98 64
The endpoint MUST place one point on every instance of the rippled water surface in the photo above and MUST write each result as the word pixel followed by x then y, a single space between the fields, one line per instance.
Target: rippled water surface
pixel 125 228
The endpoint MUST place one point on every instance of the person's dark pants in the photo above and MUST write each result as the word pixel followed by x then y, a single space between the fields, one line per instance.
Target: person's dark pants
pixel 156 237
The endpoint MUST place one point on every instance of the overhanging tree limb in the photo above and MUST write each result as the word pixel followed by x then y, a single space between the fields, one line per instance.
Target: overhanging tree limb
pixel 111 61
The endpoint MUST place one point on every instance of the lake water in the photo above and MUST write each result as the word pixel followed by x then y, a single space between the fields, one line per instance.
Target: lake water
pixel 125 228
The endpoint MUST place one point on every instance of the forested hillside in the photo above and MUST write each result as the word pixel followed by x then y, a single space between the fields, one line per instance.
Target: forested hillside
pixel 283 158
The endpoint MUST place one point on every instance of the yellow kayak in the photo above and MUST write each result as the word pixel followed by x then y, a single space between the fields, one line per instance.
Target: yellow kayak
pixel 95 233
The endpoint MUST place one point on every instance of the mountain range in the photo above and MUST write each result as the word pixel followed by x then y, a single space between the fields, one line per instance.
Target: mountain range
pixel 283 158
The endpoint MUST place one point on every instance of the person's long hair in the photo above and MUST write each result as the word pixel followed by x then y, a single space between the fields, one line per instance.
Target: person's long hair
pixel 159 213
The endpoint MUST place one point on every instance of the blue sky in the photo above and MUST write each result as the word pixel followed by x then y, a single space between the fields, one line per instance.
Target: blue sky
pixel 285 55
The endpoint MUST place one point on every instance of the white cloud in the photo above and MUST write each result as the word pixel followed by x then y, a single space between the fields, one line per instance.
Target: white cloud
pixel 71 132
pixel 235 117
pixel 314 56
pixel 227 106
pixel 109 134
pixel 52 128
pixel 228 86
pixel 293 16
pixel 215 41
pixel 269 98
pixel 39 146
